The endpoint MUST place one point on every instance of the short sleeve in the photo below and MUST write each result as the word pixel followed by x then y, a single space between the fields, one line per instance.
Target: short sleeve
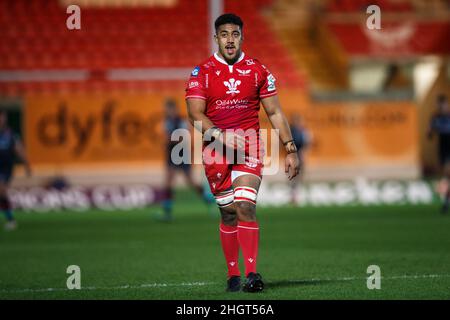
pixel 267 88
pixel 196 87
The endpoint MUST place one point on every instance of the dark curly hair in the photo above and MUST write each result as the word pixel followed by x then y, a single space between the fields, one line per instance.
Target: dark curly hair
pixel 228 18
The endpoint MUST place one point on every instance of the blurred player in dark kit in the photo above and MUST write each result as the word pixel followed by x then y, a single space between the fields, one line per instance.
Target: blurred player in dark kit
pixel 440 125
pixel 172 122
pixel 10 148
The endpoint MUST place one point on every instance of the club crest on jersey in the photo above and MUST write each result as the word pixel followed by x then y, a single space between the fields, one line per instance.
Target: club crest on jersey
pixel 243 72
pixel 251 162
pixel 232 85
pixel 195 72
pixel 249 62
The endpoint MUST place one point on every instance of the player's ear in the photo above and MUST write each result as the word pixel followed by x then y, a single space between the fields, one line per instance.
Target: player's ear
pixel 216 39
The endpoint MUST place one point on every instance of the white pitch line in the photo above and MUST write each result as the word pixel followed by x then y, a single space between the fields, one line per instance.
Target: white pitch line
pixel 126 286
pixel 200 284
pixel 417 276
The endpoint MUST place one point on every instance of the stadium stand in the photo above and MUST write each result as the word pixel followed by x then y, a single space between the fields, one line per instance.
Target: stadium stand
pixel 348 6
pixel 150 50
pixel 35 38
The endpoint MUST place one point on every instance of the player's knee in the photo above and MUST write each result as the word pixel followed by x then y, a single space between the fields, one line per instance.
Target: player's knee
pixel 228 217
pixel 246 211
pixel 245 203
pixel 225 199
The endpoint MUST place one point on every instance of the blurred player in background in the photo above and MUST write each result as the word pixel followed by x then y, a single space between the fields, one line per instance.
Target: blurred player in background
pixel 302 140
pixel 172 122
pixel 440 125
pixel 10 148
pixel 223 94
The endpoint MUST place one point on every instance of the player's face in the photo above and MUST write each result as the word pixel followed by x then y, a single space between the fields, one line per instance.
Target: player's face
pixel 229 39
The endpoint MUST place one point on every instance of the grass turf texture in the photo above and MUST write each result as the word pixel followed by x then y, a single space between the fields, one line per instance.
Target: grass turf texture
pixel 305 253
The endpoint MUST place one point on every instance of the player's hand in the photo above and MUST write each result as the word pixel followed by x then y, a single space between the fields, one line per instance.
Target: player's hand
pixel 292 165
pixel 233 140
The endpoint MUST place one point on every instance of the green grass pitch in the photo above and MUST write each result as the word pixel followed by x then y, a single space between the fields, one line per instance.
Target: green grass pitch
pixel 305 253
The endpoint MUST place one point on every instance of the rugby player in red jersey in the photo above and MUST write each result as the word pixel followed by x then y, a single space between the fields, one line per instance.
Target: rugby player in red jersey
pixel 223 95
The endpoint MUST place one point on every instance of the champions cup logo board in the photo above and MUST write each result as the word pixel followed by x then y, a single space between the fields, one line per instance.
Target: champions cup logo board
pixel 232 85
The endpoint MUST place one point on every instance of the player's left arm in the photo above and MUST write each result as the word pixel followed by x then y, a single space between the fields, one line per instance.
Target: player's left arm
pixel 20 151
pixel 278 120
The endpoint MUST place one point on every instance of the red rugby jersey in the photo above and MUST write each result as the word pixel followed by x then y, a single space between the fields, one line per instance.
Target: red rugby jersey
pixel 232 92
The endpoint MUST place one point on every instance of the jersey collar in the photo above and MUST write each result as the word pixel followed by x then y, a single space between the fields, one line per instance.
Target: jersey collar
pixel 218 58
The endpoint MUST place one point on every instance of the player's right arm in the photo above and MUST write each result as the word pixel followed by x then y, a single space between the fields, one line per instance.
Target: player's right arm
pixel 196 111
pixel 196 96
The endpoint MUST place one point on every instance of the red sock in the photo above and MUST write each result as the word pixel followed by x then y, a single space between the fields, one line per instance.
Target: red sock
pixel 230 246
pixel 248 235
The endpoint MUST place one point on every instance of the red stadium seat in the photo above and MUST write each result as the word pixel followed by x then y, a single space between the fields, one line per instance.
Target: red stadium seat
pixel 34 36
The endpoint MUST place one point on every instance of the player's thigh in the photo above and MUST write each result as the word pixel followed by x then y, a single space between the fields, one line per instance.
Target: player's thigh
pixel 247 180
pixel 219 177
pixel 219 180
pixel 247 175
pixel 246 188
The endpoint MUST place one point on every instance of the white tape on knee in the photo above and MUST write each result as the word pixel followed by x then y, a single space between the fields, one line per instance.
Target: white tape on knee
pixel 225 199
pixel 245 194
